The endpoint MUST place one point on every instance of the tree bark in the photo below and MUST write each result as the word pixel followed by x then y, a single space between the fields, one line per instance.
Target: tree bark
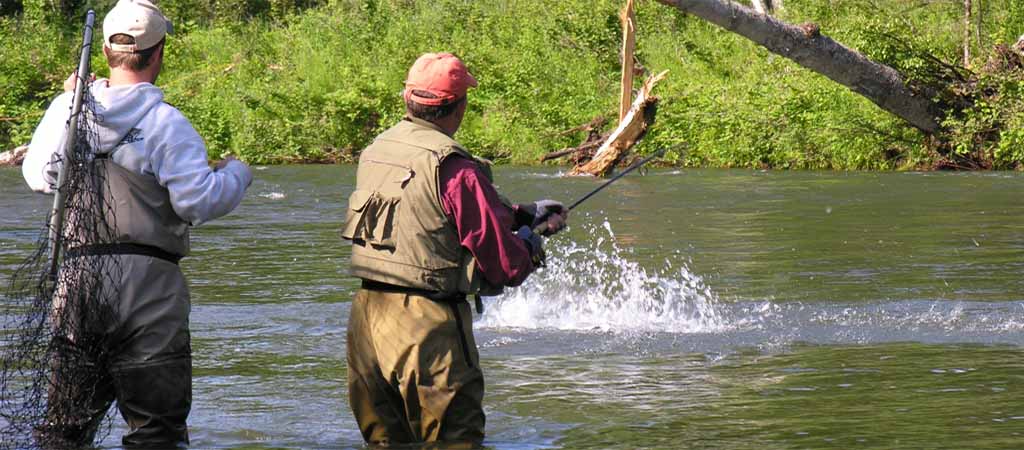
pixel 967 32
pixel 628 47
pixel 806 46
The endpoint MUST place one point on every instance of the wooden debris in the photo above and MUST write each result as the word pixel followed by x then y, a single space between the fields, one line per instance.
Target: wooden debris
pixel 585 150
pixel 635 116
pixel 628 18
pixel 13 157
pixel 626 135
pixel 596 124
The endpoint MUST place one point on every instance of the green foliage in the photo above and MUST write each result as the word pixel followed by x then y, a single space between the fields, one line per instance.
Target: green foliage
pixel 30 73
pixel 991 132
pixel 276 81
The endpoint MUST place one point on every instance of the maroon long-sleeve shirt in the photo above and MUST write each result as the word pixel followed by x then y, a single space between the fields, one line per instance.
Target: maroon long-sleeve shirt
pixel 484 223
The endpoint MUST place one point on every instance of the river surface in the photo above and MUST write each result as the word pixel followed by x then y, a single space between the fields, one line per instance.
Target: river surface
pixel 729 309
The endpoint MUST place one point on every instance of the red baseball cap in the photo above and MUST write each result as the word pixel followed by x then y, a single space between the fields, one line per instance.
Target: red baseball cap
pixel 441 74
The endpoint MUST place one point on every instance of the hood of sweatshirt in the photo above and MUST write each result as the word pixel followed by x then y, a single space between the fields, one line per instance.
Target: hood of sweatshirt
pixel 120 108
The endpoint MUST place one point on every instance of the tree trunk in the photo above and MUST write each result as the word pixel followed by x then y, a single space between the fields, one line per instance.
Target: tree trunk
pixel 628 48
pixel 803 44
pixel 967 32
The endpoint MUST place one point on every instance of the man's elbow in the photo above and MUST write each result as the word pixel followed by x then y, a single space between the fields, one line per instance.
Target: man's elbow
pixel 36 183
pixel 519 277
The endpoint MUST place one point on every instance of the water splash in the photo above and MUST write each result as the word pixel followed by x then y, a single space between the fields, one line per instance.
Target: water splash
pixel 592 285
pixel 273 195
pixel 595 285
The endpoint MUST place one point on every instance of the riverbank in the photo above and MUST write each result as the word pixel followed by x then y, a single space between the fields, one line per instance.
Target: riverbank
pixel 289 84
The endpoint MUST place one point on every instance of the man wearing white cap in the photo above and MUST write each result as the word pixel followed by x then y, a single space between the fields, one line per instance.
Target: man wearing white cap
pixel 157 173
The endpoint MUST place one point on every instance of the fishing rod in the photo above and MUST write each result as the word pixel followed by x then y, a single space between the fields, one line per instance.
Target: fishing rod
pixel 543 227
pixel 59 199
pixel 616 177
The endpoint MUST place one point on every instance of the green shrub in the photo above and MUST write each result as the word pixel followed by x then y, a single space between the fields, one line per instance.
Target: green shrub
pixel 309 80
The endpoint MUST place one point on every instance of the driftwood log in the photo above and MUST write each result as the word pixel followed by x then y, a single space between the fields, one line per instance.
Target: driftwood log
pixel 630 130
pixel 13 157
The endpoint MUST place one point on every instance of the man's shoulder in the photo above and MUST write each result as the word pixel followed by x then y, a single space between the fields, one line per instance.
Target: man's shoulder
pixel 465 168
pixel 170 120
pixel 62 102
pixel 167 111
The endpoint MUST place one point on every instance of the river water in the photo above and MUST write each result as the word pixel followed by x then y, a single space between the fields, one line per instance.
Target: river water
pixel 723 309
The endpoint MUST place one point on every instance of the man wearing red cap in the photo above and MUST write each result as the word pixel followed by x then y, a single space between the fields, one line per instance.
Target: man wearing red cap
pixel 428 229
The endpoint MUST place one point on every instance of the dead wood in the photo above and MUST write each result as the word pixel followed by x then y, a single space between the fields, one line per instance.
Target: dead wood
pixel 628 19
pixel 13 157
pixel 596 124
pixel 629 131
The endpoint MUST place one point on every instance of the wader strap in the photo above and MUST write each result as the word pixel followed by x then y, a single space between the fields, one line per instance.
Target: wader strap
pixel 123 249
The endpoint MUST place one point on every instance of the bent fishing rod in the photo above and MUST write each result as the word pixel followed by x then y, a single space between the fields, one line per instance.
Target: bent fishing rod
pixel 60 197
pixel 544 225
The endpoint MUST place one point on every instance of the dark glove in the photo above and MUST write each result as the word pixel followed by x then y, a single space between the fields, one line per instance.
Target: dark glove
pixel 540 212
pixel 534 243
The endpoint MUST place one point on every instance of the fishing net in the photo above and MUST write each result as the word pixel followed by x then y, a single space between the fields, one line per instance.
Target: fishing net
pixel 55 387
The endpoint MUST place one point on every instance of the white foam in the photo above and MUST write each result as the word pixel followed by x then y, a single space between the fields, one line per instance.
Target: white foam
pixel 593 285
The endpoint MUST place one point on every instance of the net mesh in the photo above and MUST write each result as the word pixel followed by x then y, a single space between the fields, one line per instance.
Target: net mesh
pixel 55 387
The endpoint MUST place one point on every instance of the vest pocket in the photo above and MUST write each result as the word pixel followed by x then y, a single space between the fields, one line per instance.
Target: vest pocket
pixel 371 219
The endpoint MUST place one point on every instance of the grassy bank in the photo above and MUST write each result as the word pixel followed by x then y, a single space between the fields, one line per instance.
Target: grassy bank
pixel 300 82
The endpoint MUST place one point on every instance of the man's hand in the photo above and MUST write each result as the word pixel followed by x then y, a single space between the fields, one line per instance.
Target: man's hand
pixel 549 215
pixel 553 224
pixel 69 84
pixel 534 243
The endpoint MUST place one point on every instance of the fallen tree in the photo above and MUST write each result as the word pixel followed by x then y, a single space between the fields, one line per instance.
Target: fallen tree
pixel 805 45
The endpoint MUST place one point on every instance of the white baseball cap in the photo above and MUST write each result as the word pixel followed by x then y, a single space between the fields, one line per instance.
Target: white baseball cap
pixel 140 19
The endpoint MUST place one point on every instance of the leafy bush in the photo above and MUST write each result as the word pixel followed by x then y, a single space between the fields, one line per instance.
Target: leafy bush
pixel 277 81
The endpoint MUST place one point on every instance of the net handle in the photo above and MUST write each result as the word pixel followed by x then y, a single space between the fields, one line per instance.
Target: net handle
pixel 59 203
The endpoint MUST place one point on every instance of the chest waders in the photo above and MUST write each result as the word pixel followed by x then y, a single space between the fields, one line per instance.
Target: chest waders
pixel 142 358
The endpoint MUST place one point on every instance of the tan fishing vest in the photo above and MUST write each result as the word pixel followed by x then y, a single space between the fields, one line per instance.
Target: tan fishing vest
pixel 142 212
pixel 399 231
